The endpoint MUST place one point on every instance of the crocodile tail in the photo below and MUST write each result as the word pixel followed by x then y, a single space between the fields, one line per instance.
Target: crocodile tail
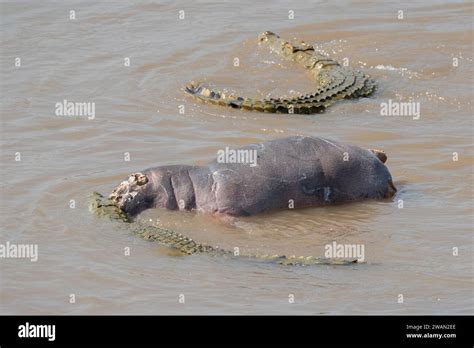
pixel 334 84
pixel 313 260
pixel 304 104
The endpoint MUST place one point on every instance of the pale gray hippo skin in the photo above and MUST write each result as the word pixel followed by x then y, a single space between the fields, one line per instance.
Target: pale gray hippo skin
pixel 291 172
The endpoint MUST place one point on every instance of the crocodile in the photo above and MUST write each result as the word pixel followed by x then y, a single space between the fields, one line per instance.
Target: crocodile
pixel 103 207
pixel 335 82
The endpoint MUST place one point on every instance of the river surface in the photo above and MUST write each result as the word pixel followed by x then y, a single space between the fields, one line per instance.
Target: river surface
pixel 418 246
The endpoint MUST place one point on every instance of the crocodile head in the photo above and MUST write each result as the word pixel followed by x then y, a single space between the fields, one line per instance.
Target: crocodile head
pixel 103 207
pixel 132 196
pixel 267 37
pixel 283 47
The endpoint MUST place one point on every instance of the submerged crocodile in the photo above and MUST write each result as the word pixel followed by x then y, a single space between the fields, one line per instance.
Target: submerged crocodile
pixel 102 207
pixel 335 82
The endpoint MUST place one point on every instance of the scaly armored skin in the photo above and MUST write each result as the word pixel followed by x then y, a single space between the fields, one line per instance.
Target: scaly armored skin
pixel 102 207
pixel 335 82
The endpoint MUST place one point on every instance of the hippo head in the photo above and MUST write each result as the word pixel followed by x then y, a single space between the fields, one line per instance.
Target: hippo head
pixel 391 189
pixel 133 195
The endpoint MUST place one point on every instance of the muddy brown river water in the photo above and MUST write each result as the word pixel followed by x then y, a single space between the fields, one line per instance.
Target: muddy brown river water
pixel 419 245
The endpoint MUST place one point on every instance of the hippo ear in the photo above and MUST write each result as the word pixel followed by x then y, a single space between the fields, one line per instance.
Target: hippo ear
pixel 380 155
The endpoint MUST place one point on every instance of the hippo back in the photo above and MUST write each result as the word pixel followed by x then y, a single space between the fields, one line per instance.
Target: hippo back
pixel 297 172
